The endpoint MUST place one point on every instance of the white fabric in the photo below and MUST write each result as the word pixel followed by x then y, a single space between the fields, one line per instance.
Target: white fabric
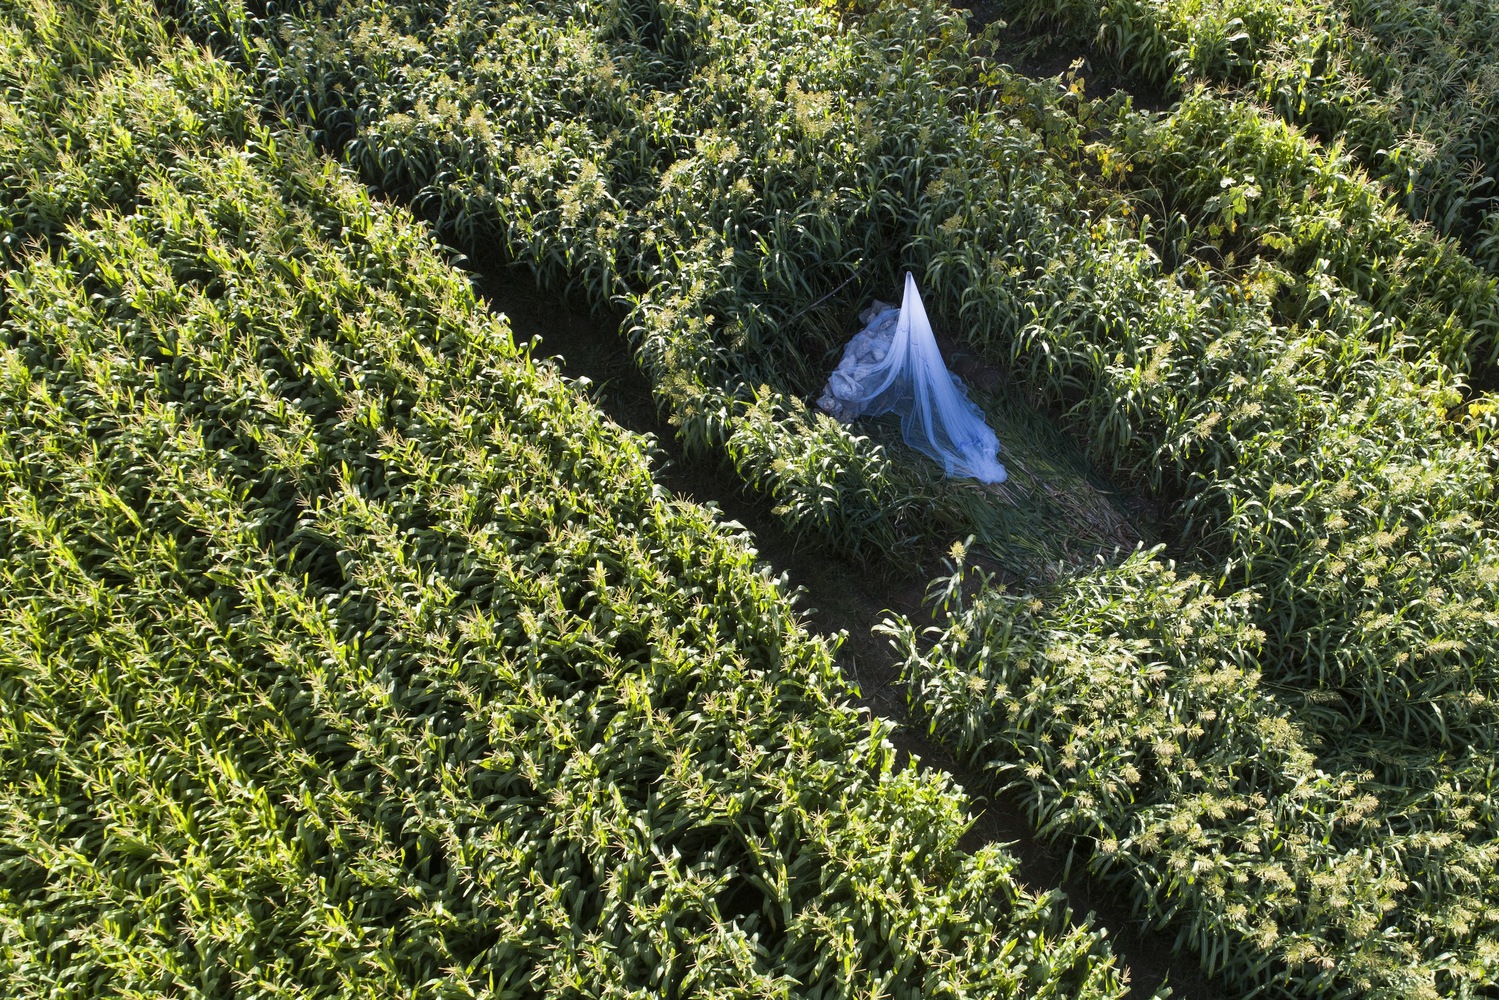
pixel 893 364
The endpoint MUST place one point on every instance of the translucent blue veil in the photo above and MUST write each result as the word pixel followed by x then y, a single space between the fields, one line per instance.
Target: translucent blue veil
pixel 909 378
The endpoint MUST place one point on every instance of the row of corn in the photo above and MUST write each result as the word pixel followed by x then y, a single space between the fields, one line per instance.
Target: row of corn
pixel 1297 851
pixel 344 651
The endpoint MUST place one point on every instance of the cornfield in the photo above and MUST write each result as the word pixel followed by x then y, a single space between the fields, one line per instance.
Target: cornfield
pixel 1297 849
pixel 344 651
pixel 326 593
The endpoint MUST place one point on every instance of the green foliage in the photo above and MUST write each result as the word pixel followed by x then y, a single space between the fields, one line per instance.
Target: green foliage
pixel 346 652
pixel 1313 454
pixel 1292 852
pixel 1409 87
pixel 739 210
pixel 1258 198
pixel 1334 652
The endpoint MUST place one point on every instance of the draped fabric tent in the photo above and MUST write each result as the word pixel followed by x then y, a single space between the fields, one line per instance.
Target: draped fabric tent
pixel 893 365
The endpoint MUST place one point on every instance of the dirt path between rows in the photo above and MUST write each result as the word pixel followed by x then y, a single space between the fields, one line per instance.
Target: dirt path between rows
pixel 838 597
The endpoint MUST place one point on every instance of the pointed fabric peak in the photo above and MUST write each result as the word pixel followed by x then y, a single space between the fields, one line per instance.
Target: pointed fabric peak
pixel 912 310
pixel 893 364
pixel 921 343
pixel 942 421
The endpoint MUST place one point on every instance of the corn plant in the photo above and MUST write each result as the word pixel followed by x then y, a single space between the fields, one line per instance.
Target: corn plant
pixel 1409 88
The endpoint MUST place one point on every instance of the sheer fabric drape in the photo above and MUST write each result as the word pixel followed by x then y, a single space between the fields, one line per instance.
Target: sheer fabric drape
pixel 893 364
